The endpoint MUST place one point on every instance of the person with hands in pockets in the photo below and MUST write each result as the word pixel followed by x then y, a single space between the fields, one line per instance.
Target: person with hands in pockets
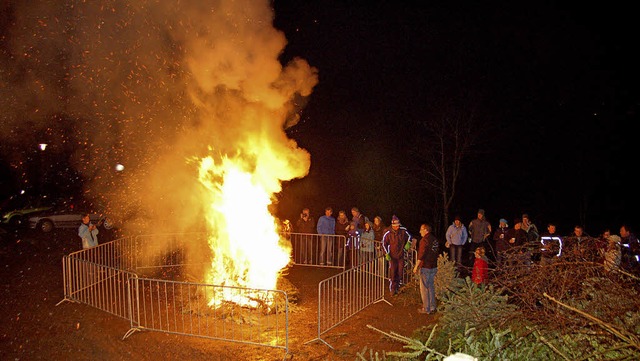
pixel 427 267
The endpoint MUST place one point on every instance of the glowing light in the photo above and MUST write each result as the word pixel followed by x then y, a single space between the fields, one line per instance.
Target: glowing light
pixel 119 167
pixel 42 146
pixel 247 249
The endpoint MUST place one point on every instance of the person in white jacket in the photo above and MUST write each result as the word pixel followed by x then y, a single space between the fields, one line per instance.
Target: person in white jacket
pixel 88 232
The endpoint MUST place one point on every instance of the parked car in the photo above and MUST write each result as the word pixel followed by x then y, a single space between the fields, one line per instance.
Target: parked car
pixel 66 218
pixel 17 209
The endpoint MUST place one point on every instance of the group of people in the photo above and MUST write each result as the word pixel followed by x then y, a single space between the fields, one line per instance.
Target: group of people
pixel 394 241
pixel 525 244
pixel 505 245
pixel 360 233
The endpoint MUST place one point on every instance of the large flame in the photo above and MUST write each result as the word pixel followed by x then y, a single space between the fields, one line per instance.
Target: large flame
pixel 244 239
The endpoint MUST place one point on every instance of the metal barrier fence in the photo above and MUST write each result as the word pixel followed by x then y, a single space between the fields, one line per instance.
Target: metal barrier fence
pixel 359 252
pixel 184 308
pixel 345 252
pixel 99 277
pixel 347 293
pixel 106 277
pixel 319 250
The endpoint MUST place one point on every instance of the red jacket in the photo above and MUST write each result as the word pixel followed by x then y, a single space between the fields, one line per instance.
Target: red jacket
pixel 480 272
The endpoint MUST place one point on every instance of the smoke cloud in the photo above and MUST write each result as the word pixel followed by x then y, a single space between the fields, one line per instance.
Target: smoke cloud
pixel 150 85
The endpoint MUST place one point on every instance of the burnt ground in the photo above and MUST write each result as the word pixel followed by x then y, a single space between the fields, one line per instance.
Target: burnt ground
pixel 33 327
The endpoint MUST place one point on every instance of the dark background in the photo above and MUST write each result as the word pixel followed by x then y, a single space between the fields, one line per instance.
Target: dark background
pixel 553 85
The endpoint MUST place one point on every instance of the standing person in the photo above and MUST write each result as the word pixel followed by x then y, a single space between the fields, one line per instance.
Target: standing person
pixel 366 243
pixel 516 254
pixel 479 231
pixel 88 232
pixel 326 227
pixel 457 236
pixel 501 238
pixel 550 245
pixel 533 235
pixel 576 243
pixel 427 265
pixel 342 227
pixel 358 218
pixel 394 242
pixel 306 225
pixel 353 245
pixel 630 248
pixel 611 254
pixel 480 274
pixel 378 230
pixel 533 238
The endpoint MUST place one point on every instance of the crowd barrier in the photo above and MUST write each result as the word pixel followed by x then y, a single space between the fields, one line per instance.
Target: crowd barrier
pixel 318 250
pixel 347 293
pixel 184 308
pixel 107 277
pixel 343 253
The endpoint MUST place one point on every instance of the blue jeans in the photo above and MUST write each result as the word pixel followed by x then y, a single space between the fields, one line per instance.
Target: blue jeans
pixel 455 254
pixel 428 288
pixel 326 249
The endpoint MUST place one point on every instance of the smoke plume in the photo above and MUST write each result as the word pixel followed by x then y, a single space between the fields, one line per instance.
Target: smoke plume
pixel 150 85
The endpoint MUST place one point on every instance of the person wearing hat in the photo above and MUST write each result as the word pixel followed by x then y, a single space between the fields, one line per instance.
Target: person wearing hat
pixel 393 243
pixel 501 238
pixel 456 238
pixel 479 231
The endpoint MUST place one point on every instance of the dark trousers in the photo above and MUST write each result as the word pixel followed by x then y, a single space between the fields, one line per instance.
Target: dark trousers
pixel 396 267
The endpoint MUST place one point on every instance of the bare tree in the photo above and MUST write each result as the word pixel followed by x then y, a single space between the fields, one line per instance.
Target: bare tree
pixel 446 143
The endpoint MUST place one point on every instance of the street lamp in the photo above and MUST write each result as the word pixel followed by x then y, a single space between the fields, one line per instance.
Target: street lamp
pixel 42 173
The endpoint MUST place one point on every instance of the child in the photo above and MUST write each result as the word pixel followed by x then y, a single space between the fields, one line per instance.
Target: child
pixel 480 267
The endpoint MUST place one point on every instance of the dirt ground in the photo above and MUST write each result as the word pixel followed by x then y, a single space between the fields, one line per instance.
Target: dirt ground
pixel 34 327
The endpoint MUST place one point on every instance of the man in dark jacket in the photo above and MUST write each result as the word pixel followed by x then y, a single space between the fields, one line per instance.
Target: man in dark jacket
pixel 427 265
pixel 306 226
pixel 394 242
pixel 630 249
pixel 550 245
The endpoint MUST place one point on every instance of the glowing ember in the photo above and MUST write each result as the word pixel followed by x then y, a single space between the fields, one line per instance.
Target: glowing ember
pixel 244 235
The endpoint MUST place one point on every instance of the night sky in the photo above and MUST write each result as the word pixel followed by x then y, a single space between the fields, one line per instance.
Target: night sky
pixel 555 88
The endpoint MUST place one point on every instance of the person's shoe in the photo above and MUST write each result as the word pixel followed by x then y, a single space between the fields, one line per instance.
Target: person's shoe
pixel 422 311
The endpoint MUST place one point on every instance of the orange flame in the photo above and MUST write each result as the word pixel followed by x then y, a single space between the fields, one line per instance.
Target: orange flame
pixel 247 249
